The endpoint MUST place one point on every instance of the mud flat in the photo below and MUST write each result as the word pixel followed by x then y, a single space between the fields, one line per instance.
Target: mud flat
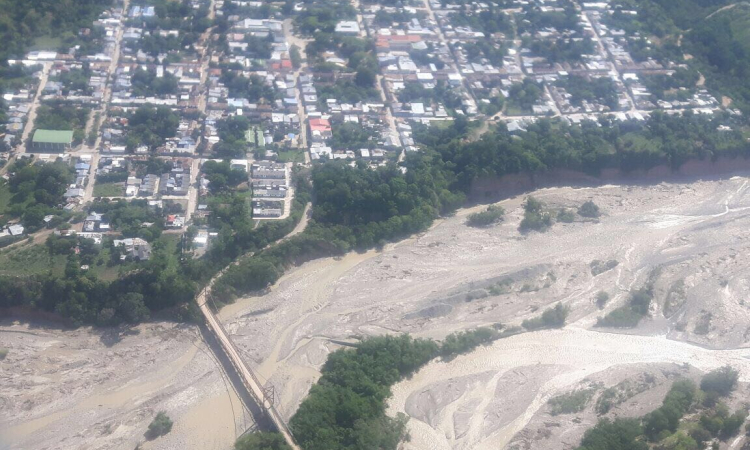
pixel 93 389
pixel 688 238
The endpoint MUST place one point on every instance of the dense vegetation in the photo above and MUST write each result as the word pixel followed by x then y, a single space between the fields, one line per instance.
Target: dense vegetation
pixel 688 419
pixel 37 190
pixel 718 42
pixel 345 409
pixel 23 21
pixel 151 126
pixel 145 83
pixel 600 90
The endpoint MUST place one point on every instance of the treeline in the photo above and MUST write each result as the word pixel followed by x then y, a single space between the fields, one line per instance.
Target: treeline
pixel 590 147
pixel 709 417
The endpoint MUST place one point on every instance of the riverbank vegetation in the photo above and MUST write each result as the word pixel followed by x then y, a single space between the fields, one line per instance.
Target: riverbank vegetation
pixel 688 419
pixel 346 408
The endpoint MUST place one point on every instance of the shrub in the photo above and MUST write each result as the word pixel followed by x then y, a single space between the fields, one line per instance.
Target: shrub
pixel 565 215
pixel 732 424
pixel 550 318
pixel 534 217
pixel 571 402
pixel 630 315
pixel 601 299
pixel 160 426
pixel 490 216
pixel 619 433
pixel 589 209
pixel 722 380
pixel 466 341
pixel 598 266
pixel 3 353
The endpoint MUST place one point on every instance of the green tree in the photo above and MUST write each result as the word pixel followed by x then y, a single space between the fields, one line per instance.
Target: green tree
pixel 589 209
pixel 722 380
pixel 160 426
pixel 261 441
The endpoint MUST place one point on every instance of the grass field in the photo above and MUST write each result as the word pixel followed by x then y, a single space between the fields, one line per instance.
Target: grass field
pixel 27 260
pixel 46 43
pixel 292 155
pixel 109 189
pixel 5 196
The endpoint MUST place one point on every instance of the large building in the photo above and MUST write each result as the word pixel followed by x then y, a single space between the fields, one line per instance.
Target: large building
pixel 52 141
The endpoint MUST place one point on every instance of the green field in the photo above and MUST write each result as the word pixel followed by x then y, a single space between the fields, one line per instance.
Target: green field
pixel 46 43
pixel 291 155
pixel 109 189
pixel 28 260
pixel 5 196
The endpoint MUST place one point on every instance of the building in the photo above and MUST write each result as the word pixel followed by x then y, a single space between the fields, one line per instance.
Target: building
pixel 52 141
pixel 348 27
pixel 135 248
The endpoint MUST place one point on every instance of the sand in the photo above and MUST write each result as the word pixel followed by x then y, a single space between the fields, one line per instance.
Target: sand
pixel 695 233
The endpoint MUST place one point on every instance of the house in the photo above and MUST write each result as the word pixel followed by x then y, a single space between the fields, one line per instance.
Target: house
pixel 135 248
pixel 16 230
pixel 268 170
pixel 148 185
pixel 320 129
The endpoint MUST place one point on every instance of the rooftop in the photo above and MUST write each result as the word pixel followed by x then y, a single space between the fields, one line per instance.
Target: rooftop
pixel 53 136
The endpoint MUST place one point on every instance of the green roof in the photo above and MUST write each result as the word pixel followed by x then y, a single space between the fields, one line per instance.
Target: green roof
pixel 53 137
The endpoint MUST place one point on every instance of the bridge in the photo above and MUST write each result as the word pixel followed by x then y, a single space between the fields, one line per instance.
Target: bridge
pixel 254 387
pixel 251 383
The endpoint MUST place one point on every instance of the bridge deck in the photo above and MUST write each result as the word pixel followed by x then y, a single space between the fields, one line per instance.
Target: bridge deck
pixel 252 384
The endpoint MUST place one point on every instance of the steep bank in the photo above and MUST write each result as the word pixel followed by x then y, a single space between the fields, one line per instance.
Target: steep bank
pixel 495 188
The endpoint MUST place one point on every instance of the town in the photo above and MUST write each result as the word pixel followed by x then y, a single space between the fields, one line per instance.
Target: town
pixel 392 224
pixel 176 104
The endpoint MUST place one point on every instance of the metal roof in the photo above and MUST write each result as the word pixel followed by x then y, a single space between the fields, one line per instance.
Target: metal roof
pixel 53 136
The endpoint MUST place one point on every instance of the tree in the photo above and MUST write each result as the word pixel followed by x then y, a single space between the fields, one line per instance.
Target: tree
pixel 589 209
pixel 160 426
pixel 132 308
pixel 295 56
pixel 619 434
pixel 365 77
pixel 722 380
pixel 261 441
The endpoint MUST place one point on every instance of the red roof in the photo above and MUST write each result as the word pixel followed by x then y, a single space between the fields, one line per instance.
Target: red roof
pixel 320 125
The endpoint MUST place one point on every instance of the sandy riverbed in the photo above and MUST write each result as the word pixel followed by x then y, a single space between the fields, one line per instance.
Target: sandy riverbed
pixel 87 389
pixel 73 389
pixel 694 233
